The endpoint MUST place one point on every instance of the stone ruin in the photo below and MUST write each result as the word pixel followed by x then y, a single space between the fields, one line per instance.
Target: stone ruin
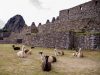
pixel 73 28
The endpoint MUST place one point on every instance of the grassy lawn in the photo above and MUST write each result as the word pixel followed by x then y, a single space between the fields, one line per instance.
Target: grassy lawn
pixel 10 64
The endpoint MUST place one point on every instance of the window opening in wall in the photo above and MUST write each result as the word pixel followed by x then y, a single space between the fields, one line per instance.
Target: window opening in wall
pixel 96 2
pixel 1 38
pixel 68 11
pixel 68 14
pixel 19 40
pixel 81 8
pixel 28 34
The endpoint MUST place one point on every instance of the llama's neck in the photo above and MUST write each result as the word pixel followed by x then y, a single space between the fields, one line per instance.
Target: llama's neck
pixel 23 48
pixel 13 46
pixel 55 50
pixel 23 52
pixel 79 50
pixel 41 55
pixel 46 59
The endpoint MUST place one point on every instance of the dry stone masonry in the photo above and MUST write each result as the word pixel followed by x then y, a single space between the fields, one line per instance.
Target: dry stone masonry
pixel 73 28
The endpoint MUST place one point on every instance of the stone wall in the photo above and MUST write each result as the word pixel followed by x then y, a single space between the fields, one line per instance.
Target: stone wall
pixel 84 15
pixel 87 10
pixel 68 40
pixel 25 35
pixel 88 41
pixel 61 32
pixel 88 24
pixel 53 40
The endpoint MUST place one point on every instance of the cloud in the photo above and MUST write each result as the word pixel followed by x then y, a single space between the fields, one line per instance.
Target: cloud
pixel 36 3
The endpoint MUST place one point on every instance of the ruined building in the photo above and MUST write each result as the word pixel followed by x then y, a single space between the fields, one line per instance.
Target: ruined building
pixel 73 28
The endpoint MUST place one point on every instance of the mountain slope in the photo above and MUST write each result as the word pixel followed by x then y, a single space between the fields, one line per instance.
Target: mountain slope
pixel 15 24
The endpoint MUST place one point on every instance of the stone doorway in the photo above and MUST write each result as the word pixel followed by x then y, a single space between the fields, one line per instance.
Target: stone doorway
pixel 1 38
pixel 19 41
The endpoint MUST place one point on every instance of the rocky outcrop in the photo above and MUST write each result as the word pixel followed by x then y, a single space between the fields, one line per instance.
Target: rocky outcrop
pixel 15 24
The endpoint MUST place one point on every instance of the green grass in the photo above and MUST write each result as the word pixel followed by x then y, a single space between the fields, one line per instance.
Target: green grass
pixel 10 64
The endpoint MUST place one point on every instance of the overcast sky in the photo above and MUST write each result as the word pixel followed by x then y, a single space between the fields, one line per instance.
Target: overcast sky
pixel 34 10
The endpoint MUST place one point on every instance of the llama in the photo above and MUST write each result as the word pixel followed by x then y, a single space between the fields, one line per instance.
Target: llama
pixel 46 66
pixel 80 53
pixel 28 52
pixel 32 47
pixel 57 53
pixel 15 48
pixel 52 59
pixel 22 53
pixel 42 56
pixel 75 53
